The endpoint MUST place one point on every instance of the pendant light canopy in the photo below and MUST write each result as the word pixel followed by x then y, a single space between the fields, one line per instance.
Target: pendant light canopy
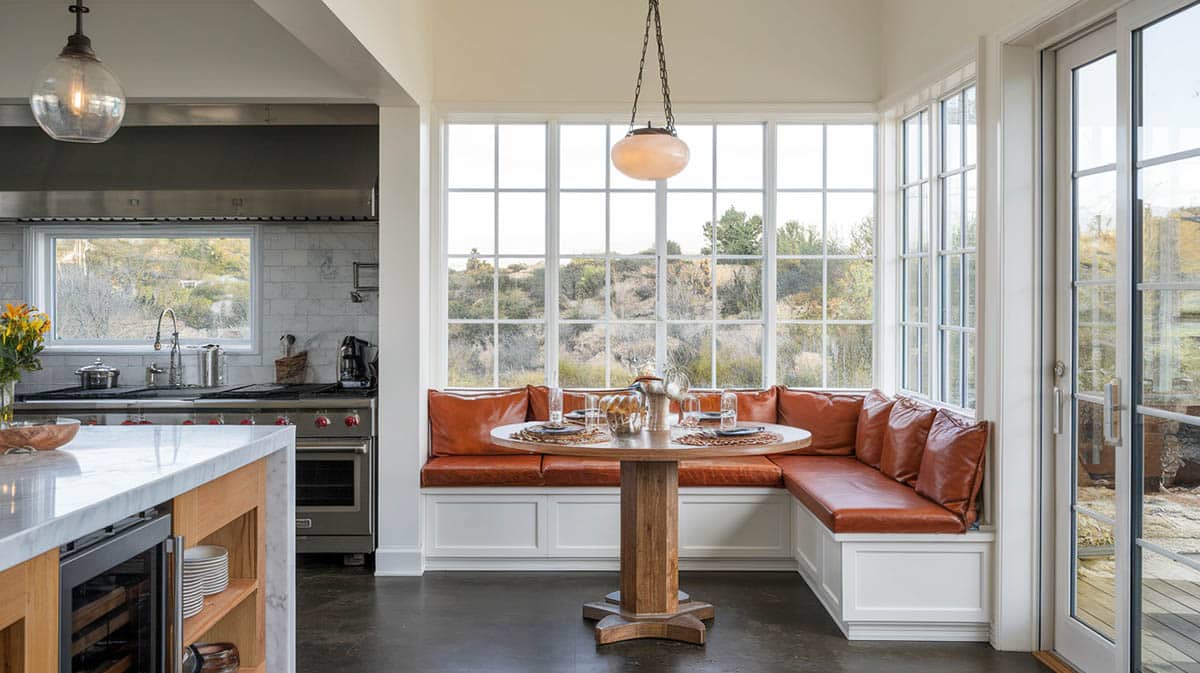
pixel 651 153
pixel 76 98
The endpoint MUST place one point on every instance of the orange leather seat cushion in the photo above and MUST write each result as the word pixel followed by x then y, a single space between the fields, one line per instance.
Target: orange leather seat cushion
pixel 572 471
pixel 739 471
pixel 872 426
pixel 757 406
pixel 850 497
pixel 539 400
pixel 461 425
pixel 952 464
pixel 832 418
pixel 736 471
pixel 904 440
pixel 482 471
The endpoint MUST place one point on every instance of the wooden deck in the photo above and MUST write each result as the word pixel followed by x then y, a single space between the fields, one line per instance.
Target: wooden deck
pixel 1171 620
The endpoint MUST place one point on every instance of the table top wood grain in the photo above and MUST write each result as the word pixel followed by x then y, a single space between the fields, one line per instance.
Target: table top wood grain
pixel 655 446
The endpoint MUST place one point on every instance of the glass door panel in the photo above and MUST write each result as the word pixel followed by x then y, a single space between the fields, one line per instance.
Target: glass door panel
pixel 1166 437
pixel 1088 344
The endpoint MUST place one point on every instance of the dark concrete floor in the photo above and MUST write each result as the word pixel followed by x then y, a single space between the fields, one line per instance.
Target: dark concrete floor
pixel 464 622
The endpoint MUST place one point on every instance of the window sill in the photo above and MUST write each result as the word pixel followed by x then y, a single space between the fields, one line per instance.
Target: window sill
pixel 139 349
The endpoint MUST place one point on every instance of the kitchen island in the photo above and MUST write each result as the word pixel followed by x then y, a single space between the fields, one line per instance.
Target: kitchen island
pixel 228 485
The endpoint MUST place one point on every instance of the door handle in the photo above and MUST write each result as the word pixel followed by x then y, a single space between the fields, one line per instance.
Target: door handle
pixel 1112 404
pixel 1056 413
pixel 175 655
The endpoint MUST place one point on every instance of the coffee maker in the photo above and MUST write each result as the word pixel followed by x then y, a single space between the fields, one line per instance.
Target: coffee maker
pixel 355 369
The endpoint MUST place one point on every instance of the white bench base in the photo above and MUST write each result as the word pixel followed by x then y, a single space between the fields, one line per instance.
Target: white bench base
pixel 876 587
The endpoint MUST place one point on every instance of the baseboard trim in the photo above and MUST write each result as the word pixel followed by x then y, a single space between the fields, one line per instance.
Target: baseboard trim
pixel 918 631
pixel 1052 661
pixel 582 564
pixel 399 562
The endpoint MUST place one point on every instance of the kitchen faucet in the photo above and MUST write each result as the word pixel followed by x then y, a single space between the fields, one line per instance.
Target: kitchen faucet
pixel 175 370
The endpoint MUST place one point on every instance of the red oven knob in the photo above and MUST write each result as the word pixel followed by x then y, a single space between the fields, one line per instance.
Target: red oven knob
pixel 283 420
pixel 246 421
pixel 189 422
pixel 352 421
pixel 215 421
pixel 321 422
pixel 145 422
pixel 128 421
pixel 90 421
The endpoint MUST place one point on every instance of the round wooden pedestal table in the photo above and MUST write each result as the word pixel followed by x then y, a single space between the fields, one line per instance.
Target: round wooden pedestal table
pixel 649 604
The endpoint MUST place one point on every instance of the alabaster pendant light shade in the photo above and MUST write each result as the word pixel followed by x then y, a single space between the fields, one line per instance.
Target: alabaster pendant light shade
pixel 650 154
pixel 75 98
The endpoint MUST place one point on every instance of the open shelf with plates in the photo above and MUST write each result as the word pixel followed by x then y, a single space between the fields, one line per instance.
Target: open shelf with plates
pixel 230 512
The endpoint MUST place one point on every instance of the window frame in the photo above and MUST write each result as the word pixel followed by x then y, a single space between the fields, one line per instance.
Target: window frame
pixel 40 279
pixel 934 352
pixel 818 114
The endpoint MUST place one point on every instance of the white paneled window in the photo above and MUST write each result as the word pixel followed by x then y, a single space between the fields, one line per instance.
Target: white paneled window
pixel 937 250
pixel 715 252
pixel 624 276
pixel 104 287
pixel 956 249
pixel 607 262
pixel 824 261
pixel 496 254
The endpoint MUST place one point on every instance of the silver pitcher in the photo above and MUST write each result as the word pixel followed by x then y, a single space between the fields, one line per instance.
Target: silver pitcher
pixel 658 405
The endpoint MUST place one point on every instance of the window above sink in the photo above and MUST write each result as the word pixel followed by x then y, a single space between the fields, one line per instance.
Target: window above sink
pixel 105 285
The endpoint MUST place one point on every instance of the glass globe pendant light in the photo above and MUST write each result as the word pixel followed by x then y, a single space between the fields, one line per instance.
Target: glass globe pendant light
pixel 76 98
pixel 651 153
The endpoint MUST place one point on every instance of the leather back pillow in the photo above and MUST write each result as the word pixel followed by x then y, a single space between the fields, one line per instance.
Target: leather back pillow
pixel 758 406
pixel 872 426
pixel 952 464
pixel 461 425
pixel 904 442
pixel 539 400
pixel 832 419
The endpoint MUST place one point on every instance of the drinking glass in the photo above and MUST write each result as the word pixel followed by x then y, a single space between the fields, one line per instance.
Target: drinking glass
pixel 592 418
pixel 728 410
pixel 689 411
pixel 556 409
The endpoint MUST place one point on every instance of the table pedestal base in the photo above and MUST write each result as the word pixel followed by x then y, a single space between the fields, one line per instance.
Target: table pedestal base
pixel 649 604
pixel 684 624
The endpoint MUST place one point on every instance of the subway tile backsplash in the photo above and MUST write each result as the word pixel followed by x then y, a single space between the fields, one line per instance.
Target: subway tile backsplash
pixel 307 276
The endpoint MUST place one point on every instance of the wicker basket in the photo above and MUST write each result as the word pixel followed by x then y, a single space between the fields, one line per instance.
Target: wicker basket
pixel 291 369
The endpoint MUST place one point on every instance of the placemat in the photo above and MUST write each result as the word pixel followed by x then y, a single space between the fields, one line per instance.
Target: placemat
pixel 708 439
pixel 592 436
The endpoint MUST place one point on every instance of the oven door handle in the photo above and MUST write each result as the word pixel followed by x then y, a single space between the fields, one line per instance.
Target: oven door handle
pixel 176 652
pixel 360 448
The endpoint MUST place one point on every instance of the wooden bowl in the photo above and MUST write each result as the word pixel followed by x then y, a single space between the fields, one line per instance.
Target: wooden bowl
pixel 40 437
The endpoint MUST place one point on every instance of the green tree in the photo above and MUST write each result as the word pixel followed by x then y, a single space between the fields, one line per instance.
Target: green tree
pixel 735 234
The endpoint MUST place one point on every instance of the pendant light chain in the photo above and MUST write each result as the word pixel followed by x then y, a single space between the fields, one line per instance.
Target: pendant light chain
pixel 652 15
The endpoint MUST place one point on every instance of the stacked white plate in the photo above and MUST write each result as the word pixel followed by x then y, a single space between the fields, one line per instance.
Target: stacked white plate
pixel 193 596
pixel 205 572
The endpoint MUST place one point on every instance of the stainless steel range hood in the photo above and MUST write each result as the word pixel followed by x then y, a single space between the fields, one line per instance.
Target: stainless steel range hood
pixel 197 162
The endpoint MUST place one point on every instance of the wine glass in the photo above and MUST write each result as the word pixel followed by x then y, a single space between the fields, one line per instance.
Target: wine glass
pixel 677 384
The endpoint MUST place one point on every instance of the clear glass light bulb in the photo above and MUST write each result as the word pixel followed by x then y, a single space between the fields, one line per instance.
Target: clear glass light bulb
pixel 77 99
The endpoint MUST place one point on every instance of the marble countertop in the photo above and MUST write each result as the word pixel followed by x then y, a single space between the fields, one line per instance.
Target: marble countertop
pixel 52 497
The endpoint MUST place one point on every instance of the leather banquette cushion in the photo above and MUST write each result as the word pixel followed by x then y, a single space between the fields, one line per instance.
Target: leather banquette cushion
pixel 461 425
pixel 832 418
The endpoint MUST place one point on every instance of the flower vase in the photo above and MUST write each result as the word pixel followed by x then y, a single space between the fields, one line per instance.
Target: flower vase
pixel 8 396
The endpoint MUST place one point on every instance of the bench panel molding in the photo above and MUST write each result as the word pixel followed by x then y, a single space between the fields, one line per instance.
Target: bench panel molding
pixel 898 586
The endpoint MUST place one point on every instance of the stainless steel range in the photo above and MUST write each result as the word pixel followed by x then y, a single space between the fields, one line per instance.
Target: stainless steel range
pixel 336 440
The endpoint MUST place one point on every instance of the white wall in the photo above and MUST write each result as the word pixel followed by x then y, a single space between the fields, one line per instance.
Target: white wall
pixel 572 51
pixel 226 49
pixel 922 40
pixel 399 34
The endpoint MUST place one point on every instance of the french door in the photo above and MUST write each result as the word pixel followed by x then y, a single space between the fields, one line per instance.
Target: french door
pixel 1127 386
